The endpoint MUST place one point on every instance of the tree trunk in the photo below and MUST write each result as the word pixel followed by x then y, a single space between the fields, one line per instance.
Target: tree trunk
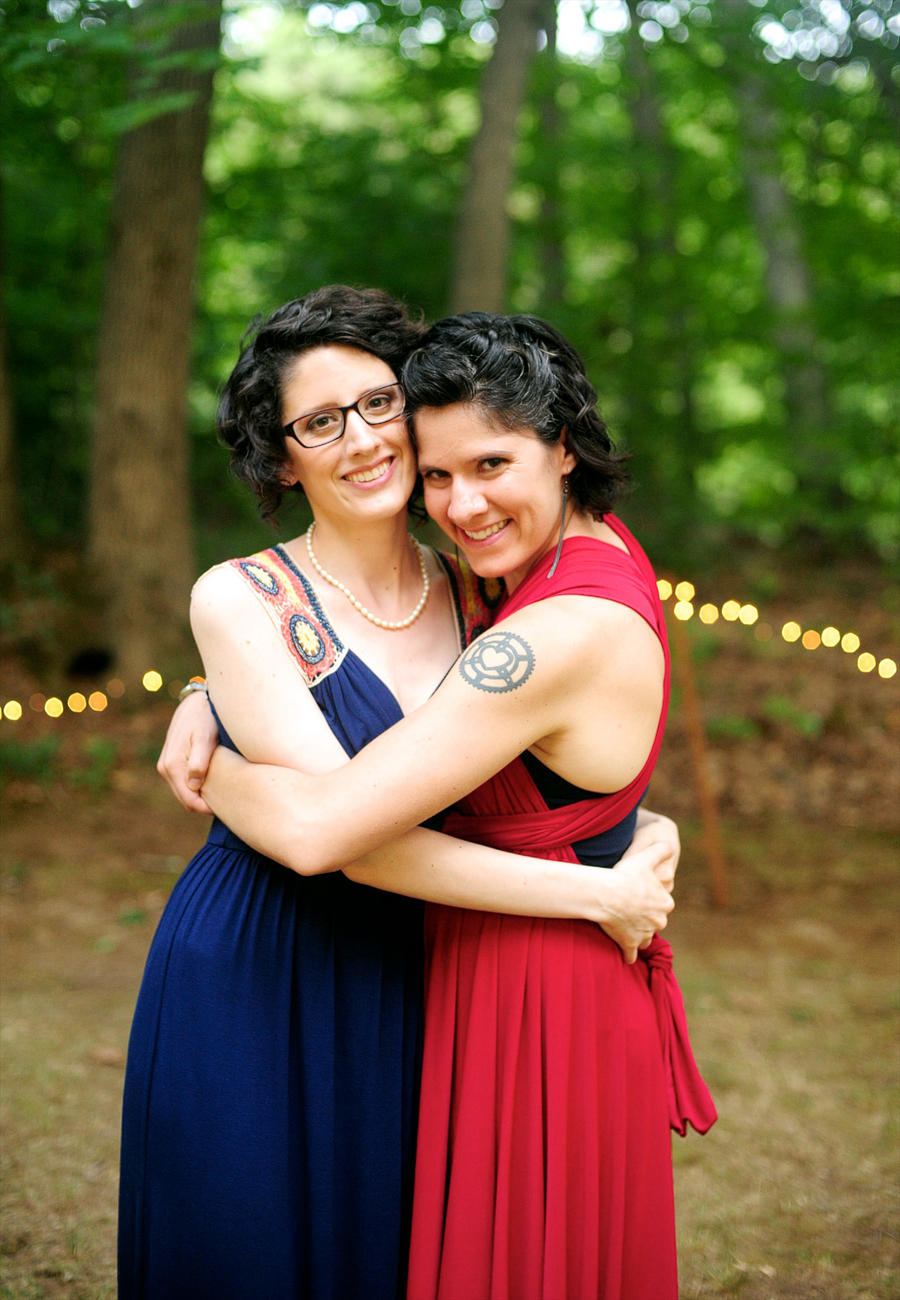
pixel 788 280
pixel 482 235
pixel 552 249
pixel 140 528
pixel 662 354
pixel 789 286
pixel 10 518
pixel 10 515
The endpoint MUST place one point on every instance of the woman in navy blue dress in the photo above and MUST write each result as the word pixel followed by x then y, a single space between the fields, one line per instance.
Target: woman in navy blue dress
pixel 270 1098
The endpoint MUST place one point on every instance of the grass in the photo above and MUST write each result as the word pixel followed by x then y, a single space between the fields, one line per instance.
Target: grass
pixel 792 997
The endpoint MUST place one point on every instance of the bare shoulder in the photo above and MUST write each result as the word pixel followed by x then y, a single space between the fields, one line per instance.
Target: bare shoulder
pixel 219 596
pixel 564 633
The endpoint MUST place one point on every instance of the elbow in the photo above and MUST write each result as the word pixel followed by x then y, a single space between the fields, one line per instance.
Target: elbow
pixel 310 849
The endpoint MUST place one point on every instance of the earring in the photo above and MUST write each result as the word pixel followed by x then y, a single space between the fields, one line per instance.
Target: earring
pixel 562 528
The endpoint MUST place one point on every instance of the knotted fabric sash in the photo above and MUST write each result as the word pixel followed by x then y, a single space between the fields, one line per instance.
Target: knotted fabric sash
pixel 508 812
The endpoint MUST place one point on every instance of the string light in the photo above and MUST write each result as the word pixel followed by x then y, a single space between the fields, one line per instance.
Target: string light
pixel 732 611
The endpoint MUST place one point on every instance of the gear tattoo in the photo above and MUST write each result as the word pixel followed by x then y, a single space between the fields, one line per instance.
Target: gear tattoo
pixel 497 662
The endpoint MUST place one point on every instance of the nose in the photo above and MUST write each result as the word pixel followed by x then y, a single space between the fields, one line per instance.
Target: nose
pixel 467 502
pixel 359 436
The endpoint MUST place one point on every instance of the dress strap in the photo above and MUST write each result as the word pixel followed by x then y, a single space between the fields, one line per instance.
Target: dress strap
pixel 293 606
pixel 475 600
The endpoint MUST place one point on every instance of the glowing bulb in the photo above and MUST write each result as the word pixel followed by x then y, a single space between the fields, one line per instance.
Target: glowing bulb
pixel 850 643
pixel 37 702
pixel 76 702
pixel 831 636
pixel 886 668
pixel 54 707
pixel 97 701
pixel 684 610
pixel 811 640
pixel 791 631
pixel 730 610
pixel 685 591
pixel 152 680
pixel 866 662
pixel 12 709
pixel 708 613
pixel 748 615
pixel 664 588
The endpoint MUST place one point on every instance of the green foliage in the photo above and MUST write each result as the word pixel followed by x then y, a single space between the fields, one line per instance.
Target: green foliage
pixel 338 153
pixel 101 753
pixel 731 727
pixel 33 759
pixel 778 708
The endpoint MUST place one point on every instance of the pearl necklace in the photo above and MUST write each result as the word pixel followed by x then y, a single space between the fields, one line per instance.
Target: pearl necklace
pixel 358 605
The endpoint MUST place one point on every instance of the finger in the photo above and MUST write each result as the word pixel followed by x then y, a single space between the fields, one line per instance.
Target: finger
pixel 645 943
pixel 630 955
pixel 196 803
pixel 199 759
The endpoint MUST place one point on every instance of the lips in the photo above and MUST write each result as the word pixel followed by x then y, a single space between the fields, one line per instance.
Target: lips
pixel 483 534
pixel 371 473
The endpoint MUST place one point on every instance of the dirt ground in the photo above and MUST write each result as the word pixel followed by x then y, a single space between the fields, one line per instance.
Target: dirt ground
pixel 792 994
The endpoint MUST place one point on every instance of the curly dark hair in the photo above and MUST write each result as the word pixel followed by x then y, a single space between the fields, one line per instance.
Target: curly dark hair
pixel 521 370
pixel 249 413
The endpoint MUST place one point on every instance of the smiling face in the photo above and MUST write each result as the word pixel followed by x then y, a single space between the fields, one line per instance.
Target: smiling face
pixel 495 492
pixel 368 473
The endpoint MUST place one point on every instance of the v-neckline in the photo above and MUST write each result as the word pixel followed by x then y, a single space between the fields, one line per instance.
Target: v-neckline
pixel 322 614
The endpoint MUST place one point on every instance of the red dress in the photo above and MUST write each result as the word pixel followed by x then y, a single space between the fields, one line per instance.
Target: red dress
pixel 552 1070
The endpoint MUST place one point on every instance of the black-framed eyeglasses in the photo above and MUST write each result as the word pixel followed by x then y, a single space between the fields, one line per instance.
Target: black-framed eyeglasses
pixel 317 428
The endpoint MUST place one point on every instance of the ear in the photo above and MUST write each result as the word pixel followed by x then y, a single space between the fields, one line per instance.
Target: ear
pixel 568 459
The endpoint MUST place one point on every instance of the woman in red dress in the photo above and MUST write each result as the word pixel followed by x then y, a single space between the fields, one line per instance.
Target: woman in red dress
pixel 554 1064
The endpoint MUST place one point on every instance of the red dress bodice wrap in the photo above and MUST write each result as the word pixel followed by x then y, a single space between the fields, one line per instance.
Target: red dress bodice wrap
pixel 552 1070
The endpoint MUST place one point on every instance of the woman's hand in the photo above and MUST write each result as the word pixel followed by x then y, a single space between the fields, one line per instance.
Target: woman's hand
pixel 189 746
pixel 638 903
pixel 654 828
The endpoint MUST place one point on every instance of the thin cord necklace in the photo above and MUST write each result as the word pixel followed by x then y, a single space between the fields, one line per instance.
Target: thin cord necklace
pixel 358 605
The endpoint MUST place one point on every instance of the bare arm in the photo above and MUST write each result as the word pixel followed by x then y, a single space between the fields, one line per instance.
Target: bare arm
pixel 269 712
pixel 558 690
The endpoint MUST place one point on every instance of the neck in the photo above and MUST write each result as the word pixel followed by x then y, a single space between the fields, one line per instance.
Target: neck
pixel 574 524
pixel 374 559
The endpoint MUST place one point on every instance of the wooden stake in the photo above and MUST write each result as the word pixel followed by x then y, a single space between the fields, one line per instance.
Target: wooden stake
pixel 706 799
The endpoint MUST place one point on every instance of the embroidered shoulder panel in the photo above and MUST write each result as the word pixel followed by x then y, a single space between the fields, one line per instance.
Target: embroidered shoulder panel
pixel 292 604
pixel 475 599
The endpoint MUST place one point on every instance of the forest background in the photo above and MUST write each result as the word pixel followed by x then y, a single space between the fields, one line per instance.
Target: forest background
pixel 702 196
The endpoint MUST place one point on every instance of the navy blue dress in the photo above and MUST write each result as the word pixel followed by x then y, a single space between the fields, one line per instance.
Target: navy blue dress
pixel 270 1095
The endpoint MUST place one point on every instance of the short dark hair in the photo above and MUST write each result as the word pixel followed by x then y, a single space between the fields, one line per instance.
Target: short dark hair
pixel 249 413
pixel 522 371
